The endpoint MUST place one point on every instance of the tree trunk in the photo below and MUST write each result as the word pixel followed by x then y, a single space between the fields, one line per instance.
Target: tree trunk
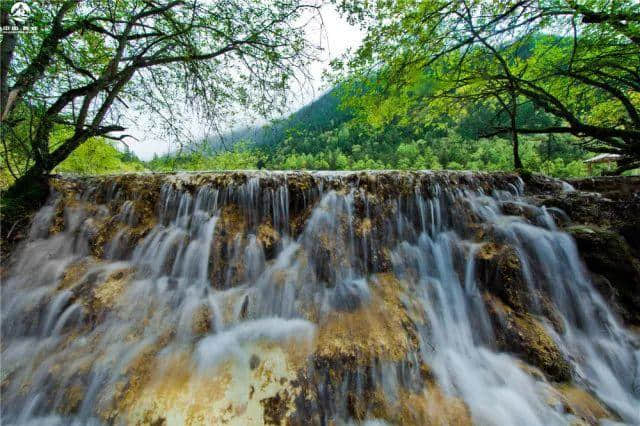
pixel 27 194
pixel 37 174
pixel 31 189
pixel 513 113
pixel 7 47
pixel 517 163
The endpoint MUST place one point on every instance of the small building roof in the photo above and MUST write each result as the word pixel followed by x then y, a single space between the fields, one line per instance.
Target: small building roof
pixel 604 158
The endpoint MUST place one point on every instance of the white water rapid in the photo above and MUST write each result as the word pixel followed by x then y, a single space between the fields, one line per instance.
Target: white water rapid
pixel 301 297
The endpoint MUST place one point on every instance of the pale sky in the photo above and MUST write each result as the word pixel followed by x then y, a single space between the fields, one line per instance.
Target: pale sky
pixel 337 37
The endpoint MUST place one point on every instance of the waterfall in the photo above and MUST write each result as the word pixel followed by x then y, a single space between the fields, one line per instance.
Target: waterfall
pixel 268 297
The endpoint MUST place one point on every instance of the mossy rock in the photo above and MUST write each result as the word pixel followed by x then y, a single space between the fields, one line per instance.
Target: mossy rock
pixel 524 335
pixel 607 254
pixel 500 271
pixel 583 405
pixel 269 238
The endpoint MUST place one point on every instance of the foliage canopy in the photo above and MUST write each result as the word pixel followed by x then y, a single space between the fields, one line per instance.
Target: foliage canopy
pixel 90 60
pixel 578 61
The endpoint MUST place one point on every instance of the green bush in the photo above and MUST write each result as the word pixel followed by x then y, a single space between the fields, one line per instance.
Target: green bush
pixel 98 156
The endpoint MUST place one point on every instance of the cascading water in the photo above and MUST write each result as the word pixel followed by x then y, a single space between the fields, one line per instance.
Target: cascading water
pixel 251 298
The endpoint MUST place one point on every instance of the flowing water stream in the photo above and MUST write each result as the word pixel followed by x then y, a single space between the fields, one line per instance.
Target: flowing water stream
pixel 263 297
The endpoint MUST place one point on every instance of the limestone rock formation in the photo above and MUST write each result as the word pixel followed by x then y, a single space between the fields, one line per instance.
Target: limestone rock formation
pixel 422 298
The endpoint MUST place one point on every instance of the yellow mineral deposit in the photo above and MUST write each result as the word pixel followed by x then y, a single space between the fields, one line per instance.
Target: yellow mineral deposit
pixel 234 393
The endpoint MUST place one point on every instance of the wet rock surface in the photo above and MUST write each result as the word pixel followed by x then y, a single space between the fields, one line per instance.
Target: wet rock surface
pixel 500 270
pixel 324 298
pixel 615 267
pixel 604 219
pixel 523 334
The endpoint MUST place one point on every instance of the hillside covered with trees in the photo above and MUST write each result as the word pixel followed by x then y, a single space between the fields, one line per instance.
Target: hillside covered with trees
pixel 539 86
pixel 333 133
